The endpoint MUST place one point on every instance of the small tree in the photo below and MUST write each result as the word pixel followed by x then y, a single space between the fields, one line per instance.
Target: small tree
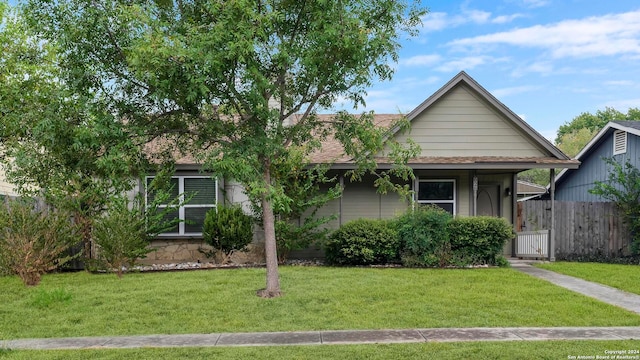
pixel 623 188
pixel 124 232
pixel 227 229
pixel 34 242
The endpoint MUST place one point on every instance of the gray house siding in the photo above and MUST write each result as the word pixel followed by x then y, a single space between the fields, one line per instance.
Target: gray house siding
pixel 575 185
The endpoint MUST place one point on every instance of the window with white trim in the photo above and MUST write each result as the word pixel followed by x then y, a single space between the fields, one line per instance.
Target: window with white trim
pixel 619 142
pixel 439 192
pixel 203 190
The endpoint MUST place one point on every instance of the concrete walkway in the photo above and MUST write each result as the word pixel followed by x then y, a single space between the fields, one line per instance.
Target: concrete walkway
pixel 601 292
pixel 604 293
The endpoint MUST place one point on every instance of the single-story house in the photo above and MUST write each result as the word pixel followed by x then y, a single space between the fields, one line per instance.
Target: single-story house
pixel 472 148
pixel 619 140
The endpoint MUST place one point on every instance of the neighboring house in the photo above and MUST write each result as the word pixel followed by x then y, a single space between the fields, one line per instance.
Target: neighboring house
pixel 619 140
pixel 527 190
pixel 472 148
pixel 6 189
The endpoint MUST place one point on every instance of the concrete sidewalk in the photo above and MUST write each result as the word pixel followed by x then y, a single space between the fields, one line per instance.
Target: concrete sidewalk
pixel 329 338
pixel 603 293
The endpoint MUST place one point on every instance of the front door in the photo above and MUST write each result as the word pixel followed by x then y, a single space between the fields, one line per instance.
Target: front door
pixel 490 204
pixel 489 200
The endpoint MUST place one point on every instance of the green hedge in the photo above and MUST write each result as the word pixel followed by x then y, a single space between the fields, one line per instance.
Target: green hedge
pixel 424 236
pixel 363 242
pixel 480 239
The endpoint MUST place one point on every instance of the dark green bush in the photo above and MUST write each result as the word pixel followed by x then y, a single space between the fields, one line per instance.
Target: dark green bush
pixel 480 239
pixel 424 237
pixel 363 242
pixel 227 229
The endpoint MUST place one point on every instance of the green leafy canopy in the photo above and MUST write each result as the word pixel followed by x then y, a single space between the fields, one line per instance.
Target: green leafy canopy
pixel 237 83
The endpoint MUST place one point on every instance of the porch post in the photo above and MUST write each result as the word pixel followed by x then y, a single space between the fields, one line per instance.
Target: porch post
pixel 552 231
pixel 514 209
pixel 475 195
pixel 341 179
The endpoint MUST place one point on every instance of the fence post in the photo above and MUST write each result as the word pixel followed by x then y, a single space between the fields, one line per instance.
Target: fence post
pixel 552 230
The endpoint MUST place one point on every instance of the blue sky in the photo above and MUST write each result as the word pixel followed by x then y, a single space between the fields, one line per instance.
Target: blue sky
pixel 547 60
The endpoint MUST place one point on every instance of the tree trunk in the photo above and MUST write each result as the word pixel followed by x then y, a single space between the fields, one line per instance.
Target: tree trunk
pixel 270 249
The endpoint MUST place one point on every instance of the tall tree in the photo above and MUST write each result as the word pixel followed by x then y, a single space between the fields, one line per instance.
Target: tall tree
pixel 568 133
pixel 572 143
pixel 240 80
pixel 56 142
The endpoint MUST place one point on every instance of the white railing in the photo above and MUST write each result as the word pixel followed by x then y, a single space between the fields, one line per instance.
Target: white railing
pixel 532 244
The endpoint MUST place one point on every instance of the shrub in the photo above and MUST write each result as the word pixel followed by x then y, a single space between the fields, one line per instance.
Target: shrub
pixel 121 236
pixel 363 242
pixel 33 242
pixel 227 229
pixel 424 238
pixel 291 236
pixel 480 239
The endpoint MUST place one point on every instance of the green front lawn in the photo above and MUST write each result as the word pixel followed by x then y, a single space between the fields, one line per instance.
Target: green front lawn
pixel 316 298
pixel 623 277
pixel 477 350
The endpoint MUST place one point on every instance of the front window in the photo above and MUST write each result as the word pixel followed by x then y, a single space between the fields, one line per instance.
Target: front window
pixel 441 193
pixel 203 192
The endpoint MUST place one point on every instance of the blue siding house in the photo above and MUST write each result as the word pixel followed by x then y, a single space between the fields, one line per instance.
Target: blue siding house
pixel 618 139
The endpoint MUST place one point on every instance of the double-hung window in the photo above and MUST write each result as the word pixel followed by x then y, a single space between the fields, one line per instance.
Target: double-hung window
pixel 202 191
pixel 439 192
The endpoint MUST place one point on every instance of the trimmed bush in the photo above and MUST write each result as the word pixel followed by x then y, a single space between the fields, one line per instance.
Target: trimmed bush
pixel 480 239
pixel 227 229
pixel 363 242
pixel 424 237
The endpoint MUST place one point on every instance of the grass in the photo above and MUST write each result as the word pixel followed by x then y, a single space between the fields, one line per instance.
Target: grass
pixel 316 298
pixel 623 277
pixel 472 350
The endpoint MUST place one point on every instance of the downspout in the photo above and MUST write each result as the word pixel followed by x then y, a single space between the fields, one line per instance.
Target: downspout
pixel 552 231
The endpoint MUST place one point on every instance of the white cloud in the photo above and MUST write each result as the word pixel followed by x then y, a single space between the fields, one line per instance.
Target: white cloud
pixel 468 63
pixel 440 20
pixel 622 105
pixel 435 21
pixel 504 92
pixel 540 67
pixel 503 19
pixel 613 34
pixel 422 60
pixel 619 83
pixel 535 3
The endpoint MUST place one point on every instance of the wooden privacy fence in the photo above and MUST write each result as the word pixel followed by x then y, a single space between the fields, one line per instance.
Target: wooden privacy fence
pixel 582 228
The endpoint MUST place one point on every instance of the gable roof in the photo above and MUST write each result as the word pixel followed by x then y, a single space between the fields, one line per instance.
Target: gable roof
pixel 555 158
pixel 463 78
pixel 631 127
